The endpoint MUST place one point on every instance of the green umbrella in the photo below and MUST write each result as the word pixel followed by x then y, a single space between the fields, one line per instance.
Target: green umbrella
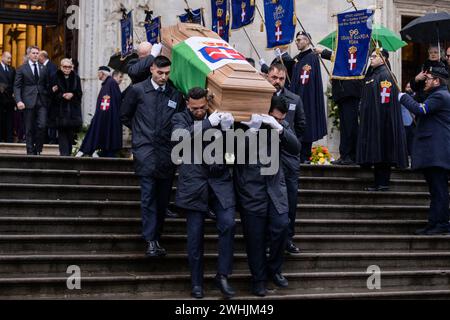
pixel 388 39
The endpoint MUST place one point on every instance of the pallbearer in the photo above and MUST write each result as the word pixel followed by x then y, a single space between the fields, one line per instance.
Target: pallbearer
pixel 202 186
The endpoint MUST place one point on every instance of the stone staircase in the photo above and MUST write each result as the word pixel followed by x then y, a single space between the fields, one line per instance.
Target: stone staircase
pixel 59 212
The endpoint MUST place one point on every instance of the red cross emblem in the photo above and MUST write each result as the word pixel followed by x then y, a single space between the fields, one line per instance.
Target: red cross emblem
pixel 306 74
pixel 352 58
pixel 220 30
pixel 385 93
pixel 105 105
pixel 278 32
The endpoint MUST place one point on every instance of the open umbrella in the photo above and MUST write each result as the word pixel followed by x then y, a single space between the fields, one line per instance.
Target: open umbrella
pixel 117 63
pixel 431 28
pixel 389 40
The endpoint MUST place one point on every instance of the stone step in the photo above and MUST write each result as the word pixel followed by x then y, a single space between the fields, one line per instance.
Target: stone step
pixel 109 178
pixel 126 165
pixel 104 263
pixel 176 283
pixel 98 243
pixel 122 193
pixel 131 209
pixel 46 225
pixel 15 149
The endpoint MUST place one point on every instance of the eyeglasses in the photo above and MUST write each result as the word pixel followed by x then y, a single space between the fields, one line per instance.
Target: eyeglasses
pixel 66 67
pixel 430 78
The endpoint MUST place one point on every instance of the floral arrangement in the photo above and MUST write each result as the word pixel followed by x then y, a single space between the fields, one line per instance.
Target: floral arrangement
pixel 321 156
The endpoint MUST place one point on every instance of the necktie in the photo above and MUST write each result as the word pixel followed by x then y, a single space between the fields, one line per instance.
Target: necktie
pixel 36 74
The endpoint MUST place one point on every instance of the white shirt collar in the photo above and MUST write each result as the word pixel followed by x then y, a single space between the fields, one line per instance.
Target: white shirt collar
pixel 31 63
pixel 46 62
pixel 4 65
pixel 155 85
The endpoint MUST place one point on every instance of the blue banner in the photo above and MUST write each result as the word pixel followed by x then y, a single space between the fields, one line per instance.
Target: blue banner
pixel 193 16
pixel 153 29
pixel 127 35
pixel 280 22
pixel 353 45
pixel 243 13
pixel 221 18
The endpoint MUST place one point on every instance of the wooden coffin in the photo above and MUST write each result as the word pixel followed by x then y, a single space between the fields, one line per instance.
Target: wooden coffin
pixel 237 88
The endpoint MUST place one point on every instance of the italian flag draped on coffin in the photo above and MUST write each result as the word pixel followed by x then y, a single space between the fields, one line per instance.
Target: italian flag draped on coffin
pixel 194 59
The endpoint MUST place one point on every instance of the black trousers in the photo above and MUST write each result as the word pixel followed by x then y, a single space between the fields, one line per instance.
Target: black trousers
pixel 35 128
pixel 195 229
pixel 306 151
pixel 292 186
pixel 65 140
pixel 382 175
pixel 349 126
pixel 155 198
pixel 255 227
pixel 6 122
pixel 437 180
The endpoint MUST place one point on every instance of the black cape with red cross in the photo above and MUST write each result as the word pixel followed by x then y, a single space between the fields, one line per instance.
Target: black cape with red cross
pixel 382 137
pixel 105 131
pixel 307 83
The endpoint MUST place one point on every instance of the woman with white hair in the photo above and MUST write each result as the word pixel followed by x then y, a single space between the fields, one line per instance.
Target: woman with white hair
pixel 65 113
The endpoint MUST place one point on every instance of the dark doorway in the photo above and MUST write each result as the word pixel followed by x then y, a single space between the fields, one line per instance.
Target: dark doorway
pixel 37 22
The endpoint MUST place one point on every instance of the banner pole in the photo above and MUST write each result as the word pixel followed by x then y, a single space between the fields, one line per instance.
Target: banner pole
pixel 251 42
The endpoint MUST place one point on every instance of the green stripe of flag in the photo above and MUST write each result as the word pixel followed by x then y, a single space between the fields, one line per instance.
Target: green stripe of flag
pixel 187 71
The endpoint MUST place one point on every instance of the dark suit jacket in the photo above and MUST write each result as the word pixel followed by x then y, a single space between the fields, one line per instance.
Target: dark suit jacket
pixel 27 90
pixel 52 69
pixel 7 85
pixel 139 69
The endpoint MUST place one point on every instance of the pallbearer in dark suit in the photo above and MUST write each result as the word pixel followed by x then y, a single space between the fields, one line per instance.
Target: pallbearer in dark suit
pixel 202 184
pixel 52 68
pixel 291 162
pixel 263 202
pixel 31 91
pixel 7 103
pixel 382 138
pixel 431 149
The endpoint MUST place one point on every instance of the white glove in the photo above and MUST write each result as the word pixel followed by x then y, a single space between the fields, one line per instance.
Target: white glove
pixel 272 122
pixel 227 121
pixel 215 118
pixel 156 49
pixel 400 96
pixel 262 62
pixel 255 123
pixel 278 53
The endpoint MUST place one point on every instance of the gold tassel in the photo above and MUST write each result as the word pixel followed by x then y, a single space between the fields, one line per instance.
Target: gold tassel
pixel 294 19
pixel 261 28
pixel 252 3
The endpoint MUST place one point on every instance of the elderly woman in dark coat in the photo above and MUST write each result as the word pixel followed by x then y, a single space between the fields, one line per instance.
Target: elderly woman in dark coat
pixel 65 112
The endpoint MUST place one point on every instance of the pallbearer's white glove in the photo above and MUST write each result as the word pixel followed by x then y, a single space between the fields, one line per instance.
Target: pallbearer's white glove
pixel 227 121
pixel 156 49
pixel 400 96
pixel 262 62
pixel 215 118
pixel 255 123
pixel 273 123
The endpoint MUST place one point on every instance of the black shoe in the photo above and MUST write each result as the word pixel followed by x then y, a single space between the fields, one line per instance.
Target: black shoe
pixel 337 162
pixel 280 281
pixel 197 292
pixel 377 189
pixel 222 284
pixel 292 249
pixel 438 231
pixel 155 250
pixel 423 231
pixel 211 215
pixel 172 215
pixel 259 289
